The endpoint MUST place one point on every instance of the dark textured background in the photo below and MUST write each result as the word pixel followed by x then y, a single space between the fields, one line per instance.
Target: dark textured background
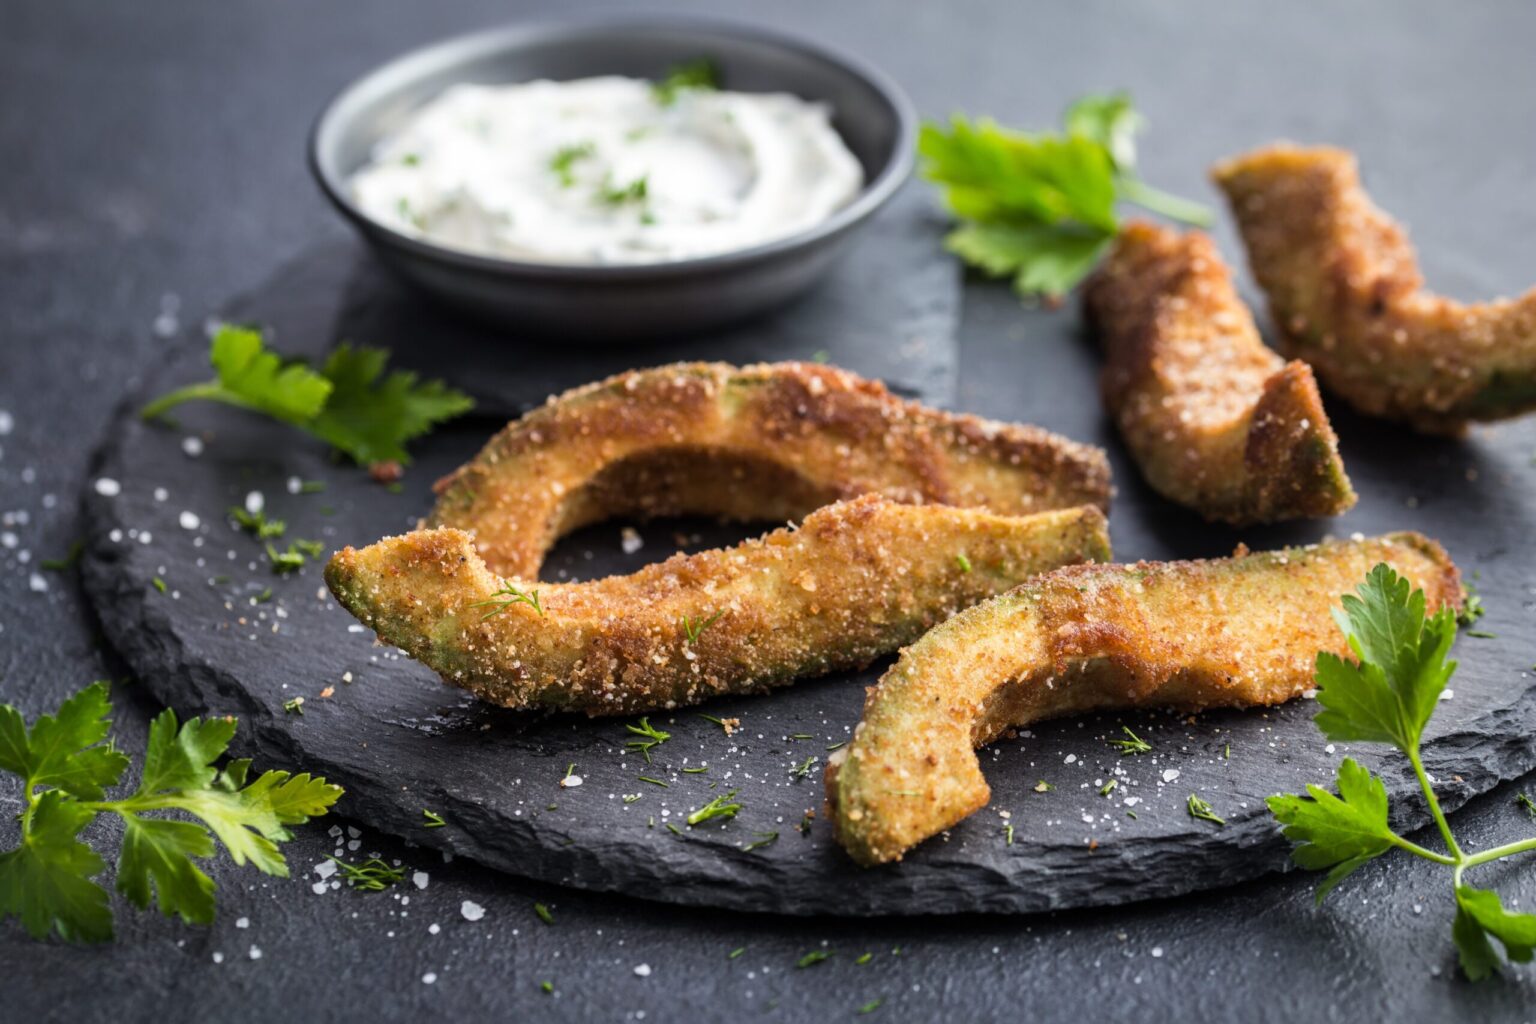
pixel 156 148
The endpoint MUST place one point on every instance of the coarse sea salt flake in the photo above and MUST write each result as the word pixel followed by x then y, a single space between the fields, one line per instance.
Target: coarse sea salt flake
pixel 471 910
pixel 421 878
pixel 1169 774
pixel 107 487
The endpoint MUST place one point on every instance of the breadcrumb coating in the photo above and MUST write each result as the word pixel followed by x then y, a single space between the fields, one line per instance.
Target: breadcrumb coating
pixel 764 443
pixel 855 581
pixel 1216 421
pixel 1346 294
pixel 1231 632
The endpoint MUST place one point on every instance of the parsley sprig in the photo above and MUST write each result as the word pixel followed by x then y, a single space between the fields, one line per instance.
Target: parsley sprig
pixel 1387 696
pixel 650 736
pixel 1039 208
pixel 67 764
pixel 348 402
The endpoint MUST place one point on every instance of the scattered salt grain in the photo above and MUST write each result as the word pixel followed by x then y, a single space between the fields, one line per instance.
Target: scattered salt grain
pixel 1070 759
pixel 629 540
pixel 571 781
pixel 429 978
pixel 108 488
pixel 218 958
pixel 7 423
pixel 471 910
pixel 193 446
pixel 1170 774
pixel 421 878
pixel 642 970
pixel 189 521
pixel 1157 951
pixel 433 929
pixel 243 922
pixel 37 584
pixel 319 888
pixel 326 868
pixel 255 952
pixel 255 502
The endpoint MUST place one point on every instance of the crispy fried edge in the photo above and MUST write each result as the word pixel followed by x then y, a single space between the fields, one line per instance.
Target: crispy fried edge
pixel 531 482
pixel 1080 639
pixel 1346 293
pixel 844 588
pixel 1174 331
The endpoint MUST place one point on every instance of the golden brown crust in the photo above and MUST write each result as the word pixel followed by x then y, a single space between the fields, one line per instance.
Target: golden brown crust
pixel 1190 635
pixel 764 443
pixel 1216 421
pixel 855 581
pixel 1345 292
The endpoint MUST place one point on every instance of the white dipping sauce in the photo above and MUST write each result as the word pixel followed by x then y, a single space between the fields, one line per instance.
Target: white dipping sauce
pixel 601 170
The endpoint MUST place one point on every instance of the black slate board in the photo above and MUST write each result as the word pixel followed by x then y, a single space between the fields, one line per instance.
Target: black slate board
pixel 403 742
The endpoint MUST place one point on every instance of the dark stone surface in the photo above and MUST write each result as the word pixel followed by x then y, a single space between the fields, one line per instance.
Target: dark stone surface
pixel 156 148
pixel 400 741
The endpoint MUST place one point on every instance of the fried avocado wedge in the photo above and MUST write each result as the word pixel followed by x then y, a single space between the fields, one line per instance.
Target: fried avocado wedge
pixel 1230 632
pixel 856 580
pixel 1216 421
pixel 767 443
pixel 1346 294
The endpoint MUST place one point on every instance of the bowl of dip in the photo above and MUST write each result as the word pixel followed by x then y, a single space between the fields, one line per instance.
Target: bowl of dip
pixel 617 180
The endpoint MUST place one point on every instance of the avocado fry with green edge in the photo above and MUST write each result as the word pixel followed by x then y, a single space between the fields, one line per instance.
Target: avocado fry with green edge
pixel 1233 632
pixel 855 581
pixel 766 443
pixel 1347 296
pixel 1216 421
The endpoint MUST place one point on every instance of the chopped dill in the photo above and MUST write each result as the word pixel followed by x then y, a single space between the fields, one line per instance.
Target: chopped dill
pixel 1198 808
pixel 764 839
pixel 543 913
pixel 372 875
pixel 693 630
pixel 733 954
pixel 699 74
pixel 1131 744
pixel 513 596
pixel 159 584
pixel 864 959
pixel 963 562
pixel 719 807
pixel 295 706
pixel 630 798
pixel 654 782
pixel 67 562
pixel 1108 787
pixel 1526 802
pixel 674 829
pixel 696 771
pixel 1043 787
pixel 803 769
pixel 1008 834
pixel 815 956
pixel 651 737
pixel 432 819
pixel 256 523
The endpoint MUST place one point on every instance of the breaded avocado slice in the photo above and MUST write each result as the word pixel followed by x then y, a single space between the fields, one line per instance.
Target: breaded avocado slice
pixel 1346 295
pixel 856 580
pixel 766 443
pixel 1216 421
pixel 1231 632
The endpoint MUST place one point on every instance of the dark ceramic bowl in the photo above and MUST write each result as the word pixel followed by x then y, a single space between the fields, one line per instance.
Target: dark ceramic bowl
pixel 620 303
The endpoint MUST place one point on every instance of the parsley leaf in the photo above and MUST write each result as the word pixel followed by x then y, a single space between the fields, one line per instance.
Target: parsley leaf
pixel 1337 832
pixel 1040 207
pixel 371 419
pixel 345 402
pixel 1481 916
pixel 1389 696
pixel 62 750
pixel 46 881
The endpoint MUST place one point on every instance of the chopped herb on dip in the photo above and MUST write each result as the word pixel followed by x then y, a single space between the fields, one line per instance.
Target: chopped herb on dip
pixel 608 170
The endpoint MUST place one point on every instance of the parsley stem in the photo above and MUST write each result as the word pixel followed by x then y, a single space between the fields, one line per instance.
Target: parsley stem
pixel 1497 852
pixel 1171 206
pixel 211 390
pixel 1419 851
pixel 1434 804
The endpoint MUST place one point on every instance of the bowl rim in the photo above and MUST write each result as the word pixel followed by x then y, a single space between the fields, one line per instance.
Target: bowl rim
pixel 873 195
